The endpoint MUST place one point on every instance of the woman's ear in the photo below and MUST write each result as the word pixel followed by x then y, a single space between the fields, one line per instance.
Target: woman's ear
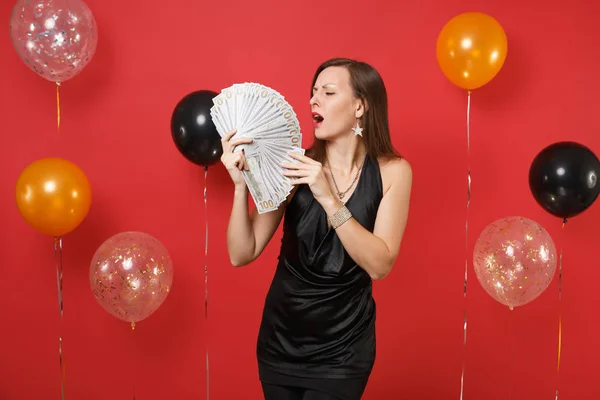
pixel 361 108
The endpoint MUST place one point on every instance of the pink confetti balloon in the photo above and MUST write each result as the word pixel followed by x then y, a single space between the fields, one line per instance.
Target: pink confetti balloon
pixel 514 260
pixel 131 275
pixel 55 38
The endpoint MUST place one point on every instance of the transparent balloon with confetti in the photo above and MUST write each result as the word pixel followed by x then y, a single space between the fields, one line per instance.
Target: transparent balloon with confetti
pixel 54 38
pixel 514 260
pixel 131 275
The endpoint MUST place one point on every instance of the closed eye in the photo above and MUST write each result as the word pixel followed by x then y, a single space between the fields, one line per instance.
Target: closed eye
pixel 329 93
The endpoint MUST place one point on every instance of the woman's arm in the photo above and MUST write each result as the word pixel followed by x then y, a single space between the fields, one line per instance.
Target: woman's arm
pixel 248 235
pixel 376 252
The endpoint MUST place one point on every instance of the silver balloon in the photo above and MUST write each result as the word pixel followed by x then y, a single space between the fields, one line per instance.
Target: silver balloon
pixel 55 38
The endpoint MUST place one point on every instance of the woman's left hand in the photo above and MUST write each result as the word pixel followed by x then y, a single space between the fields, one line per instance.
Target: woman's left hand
pixel 310 172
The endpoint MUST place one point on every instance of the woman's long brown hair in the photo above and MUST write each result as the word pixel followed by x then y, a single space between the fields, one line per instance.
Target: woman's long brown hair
pixel 369 87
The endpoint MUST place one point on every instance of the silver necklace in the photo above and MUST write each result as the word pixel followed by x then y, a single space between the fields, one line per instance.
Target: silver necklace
pixel 340 193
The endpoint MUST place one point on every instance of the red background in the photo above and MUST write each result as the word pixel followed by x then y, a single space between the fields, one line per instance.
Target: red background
pixel 115 126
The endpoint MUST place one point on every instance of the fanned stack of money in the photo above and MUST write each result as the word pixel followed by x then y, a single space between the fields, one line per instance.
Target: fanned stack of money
pixel 261 113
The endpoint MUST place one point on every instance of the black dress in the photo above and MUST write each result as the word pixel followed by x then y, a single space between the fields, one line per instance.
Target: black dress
pixel 318 324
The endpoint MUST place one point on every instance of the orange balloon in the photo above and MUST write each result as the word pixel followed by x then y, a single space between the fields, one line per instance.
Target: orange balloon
pixel 471 49
pixel 53 195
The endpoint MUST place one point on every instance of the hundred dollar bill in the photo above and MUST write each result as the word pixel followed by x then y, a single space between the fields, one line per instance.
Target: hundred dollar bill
pixel 264 200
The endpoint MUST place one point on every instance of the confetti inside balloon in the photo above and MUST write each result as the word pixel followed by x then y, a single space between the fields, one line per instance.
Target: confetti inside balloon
pixel 514 260
pixel 131 275
pixel 55 38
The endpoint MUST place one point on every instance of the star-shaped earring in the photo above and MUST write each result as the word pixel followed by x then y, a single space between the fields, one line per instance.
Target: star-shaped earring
pixel 357 130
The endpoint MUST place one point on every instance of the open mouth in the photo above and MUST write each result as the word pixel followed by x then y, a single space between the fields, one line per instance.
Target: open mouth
pixel 317 119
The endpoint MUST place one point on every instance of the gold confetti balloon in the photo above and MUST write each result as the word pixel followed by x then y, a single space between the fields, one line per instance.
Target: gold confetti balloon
pixel 514 260
pixel 131 275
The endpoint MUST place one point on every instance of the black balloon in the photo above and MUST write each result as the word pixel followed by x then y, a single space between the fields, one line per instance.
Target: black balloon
pixel 563 179
pixel 193 130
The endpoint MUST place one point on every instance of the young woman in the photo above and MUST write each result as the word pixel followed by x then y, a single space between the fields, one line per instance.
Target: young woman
pixel 343 225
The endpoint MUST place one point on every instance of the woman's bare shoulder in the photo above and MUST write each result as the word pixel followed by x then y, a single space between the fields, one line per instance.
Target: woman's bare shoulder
pixel 395 171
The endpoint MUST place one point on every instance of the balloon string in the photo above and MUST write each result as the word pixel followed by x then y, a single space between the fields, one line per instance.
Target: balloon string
pixel 58 245
pixel 206 277
pixel 134 357
pixel 512 355
pixel 560 264
pixel 57 105
pixel 462 377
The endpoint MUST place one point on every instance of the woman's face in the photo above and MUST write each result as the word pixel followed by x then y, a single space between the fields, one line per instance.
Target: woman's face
pixel 333 104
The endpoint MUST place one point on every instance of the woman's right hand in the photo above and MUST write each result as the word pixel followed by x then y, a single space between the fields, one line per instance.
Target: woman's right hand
pixel 233 160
